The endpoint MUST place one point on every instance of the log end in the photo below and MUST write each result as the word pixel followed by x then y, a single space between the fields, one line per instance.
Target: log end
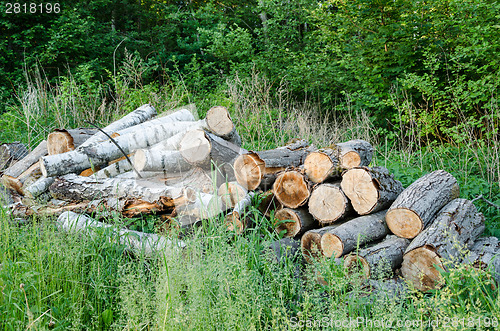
pixel 195 147
pixel 318 166
pixel 404 223
pixel 361 189
pixel 350 160
pixel 310 244
pixel 219 121
pixel 231 193
pixel 331 245
pixel 140 160
pixel 327 203
pixel 233 223
pixel 289 221
pixel 291 189
pixel 59 142
pixel 419 268
pixel 357 264
pixel 248 170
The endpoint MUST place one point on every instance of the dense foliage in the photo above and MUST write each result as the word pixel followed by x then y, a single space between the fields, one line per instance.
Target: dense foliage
pixel 441 57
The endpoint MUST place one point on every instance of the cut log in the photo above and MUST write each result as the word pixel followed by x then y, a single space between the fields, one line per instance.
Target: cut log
pixel 135 241
pixel 330 162
pixel 259 169
pixel 379 260
pixel 354 233
pixel 62 141
pixel 113 169
pixel 10 153
pixel 235 221
pixel 269 203
pixel 457 225
pixel 485 255
pixel 283 249
pixel 328 203
pixel 205 206
pixel 39 187
pixel 292 189
pixel 219 123
pixel 294 222
pixel 141 114
pixel 25 163
pixel 28 177
pixel 417 205
pixel 231 193
pixel 370 189
pixel 166 160
pixel 310 242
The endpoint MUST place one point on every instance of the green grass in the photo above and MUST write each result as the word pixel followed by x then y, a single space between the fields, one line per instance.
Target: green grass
pixel 51 279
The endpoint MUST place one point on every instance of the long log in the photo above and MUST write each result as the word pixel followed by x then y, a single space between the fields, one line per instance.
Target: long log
pixel 294 222
pixel 370 189
pixel 292 189
pixel 10 153
pixel 354 233
pixel 379 260
pixel 165 160
pixel 330 162
pixel 456 226
pixel 61 141
pixel 235 220
pixel 418 204
pixel 485 255
pixel 259 169
pixel 219 123
pixel 25 163
pixel 328 203
pixel 135 241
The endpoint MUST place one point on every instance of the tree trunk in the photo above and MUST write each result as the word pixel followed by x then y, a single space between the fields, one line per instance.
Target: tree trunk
pixel 269 203
pixel 417 205
pixel 292 189
pixel 258 169
pixel 294 222
pixel 135 241
pixel 235 220
pixel 10 153
pixel 330 162
pixel 354 233
pixel 219 123
pixel 379 260
pixel 62 141
pixel 328 203
pixel 231 193
pixel 370 189
pixel 457 225
pixel 484 255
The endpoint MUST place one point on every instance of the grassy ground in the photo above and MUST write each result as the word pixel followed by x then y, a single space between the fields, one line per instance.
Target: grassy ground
pixel 55 280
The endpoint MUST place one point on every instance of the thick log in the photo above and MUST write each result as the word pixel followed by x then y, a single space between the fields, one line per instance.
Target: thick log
pixel 370 189
pixel 39 187
pixel 418 204
pixel 235 220
pixel 231 193
pixel 259 169
pixel 137 242
pixel 62 141
pixel 379 260
pixel 165 160
pixel 328 203
pixel 354 233
pixel 10 153
pixel 485 255
pixel 457 225
pixel 330 162
pixel 310 242
pixel 269 203
pixel 141 114
pixel 25 163
pixel 292 189
pixel 219 123
pixel 294 222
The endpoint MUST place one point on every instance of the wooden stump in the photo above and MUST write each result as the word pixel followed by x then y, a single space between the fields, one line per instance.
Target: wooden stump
pixel 294 221
pixel 379 260
pixel 354 233
pixel 456 226
pixel 258 169
pixel 10 153
pixel 417 205
pixel 328 203
pixel 485 255
pixel 62 141
pixel 370 189
pixel 292 189
pixel 219 122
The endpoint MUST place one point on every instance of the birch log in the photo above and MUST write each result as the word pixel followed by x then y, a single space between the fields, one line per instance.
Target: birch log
pixel 61 141
pixel 114 169
pixel 485 255
pixel 10 153
pixel 294 222
pixel 417 205
pixel 235 220
pixel 328 203
pixel 379 260
pixel 165 160
pixel 219 123
pixel 205 206
pixel 135 241
pixel 457 225
pixel 292 189
pixel 39 187
pixel 259 169
pixel 370 189
pixel 354 233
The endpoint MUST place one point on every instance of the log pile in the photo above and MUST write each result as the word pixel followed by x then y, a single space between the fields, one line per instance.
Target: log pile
pixel 325 203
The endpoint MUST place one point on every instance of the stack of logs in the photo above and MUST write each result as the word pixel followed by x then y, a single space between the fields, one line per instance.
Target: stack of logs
pixel 328 201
